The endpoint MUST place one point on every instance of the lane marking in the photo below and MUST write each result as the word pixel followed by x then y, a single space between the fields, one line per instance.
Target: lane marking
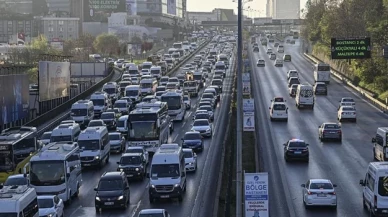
pixel 72 213
pixel 136 208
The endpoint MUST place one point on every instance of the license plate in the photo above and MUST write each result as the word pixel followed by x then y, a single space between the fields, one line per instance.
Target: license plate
pixel 87 165
pixel 130 175
pixel 108 203
pixel 321 195
pixel 332 132
pixel 298 152
pixel 164 196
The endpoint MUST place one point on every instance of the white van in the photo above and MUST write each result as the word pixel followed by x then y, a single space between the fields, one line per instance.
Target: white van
pixel 281 49
pixel 112 89
pixel 82 112
pixel 122 125
pixel 148 86
pixel 171 184
pixel 380 142
pixel 375 192
pixel 94 146
pixel 305 96
pixel 171 51
pixel 18 201
pixel 322 72
pixel 101 103
pixel 156 72
pixel 133 71
pixel 65 133
pixel 146 65
pixel 133 92
pixel 177 56
pixel 278 111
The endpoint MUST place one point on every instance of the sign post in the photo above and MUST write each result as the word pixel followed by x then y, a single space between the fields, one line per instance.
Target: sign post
pixel 256 194
pixel 350 48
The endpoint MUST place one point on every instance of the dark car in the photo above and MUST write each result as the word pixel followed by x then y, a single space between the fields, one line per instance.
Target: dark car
pixel 193 140
pixel 217 82
pixel 320 88
pixel 112 191
pixel 109 119
pixel 134 165
pixel 296 149
pixel 255 49
pixel 330 131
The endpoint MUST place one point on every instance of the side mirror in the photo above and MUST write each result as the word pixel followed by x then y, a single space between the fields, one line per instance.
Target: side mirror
pixel 303 185
pixel 95 189
pixel 126 188
pixel 148 175
pixel 67 175
pixel 307 144
pixel 118 162
pixel 373 140
pixel 183 174
pixel 319 127
pixel 362 183
pixel 284 144
pixel 334 185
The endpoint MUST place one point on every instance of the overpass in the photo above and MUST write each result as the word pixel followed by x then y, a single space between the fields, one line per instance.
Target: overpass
pixel 273 23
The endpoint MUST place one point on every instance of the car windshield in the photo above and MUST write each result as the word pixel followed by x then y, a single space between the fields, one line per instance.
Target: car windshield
pixel 114 137
pixel 110 115
pixel 279 107
pixel 110 185
pixel 44 203
pixel 152 215
pixel 12 181
pixel 95 124
pixel 347 100
pixel 188 154
pixel 332 126
pixel 173 80
pixel 216 82
pixel 164 171
pixel 164 79
pixel 202 116
pixel 90 145
pixel 201 123
pixel 207 96
pixel 135 160
pixel 347 109
pixel 134 150
pixel 192 136
pixel 297 144
pixel 144 130
pixel 316 186
pixel 46 136
pixel 120 105
pixel 207 108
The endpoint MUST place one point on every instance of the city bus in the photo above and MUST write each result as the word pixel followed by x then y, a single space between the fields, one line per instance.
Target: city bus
pixel 176 105
pixel 17 145
pixel 149 125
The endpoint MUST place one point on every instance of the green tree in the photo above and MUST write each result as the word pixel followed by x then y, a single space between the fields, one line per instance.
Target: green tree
pixel 40 44
pixel 106 44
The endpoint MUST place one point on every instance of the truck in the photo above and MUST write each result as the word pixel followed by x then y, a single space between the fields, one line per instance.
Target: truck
pixel 322 73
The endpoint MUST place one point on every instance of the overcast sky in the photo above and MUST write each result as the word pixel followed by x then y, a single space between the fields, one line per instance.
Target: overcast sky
pixel 209 5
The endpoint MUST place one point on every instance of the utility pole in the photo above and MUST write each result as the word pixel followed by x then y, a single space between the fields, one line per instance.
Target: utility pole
pixel 239 212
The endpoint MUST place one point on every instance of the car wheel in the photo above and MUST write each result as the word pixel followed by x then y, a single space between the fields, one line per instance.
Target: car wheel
pixel 364 204
pixel 151 199
pixel 305 205
pixel 180 198
pixel 271 119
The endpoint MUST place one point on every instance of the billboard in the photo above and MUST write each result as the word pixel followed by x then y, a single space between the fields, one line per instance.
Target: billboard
pixel 350 48
pixel 100 10
pixel 14 97
pixel 131 7
pixel 149 6
pixel 87 69
pixel 54 80
pixel 171 7
pixel 256 194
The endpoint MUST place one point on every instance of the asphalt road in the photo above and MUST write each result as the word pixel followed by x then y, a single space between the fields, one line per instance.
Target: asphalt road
pixel 84 205
pixel 343 163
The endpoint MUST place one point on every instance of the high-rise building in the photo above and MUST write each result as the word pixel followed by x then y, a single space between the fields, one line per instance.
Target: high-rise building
pixel 58 5
pixel 285 9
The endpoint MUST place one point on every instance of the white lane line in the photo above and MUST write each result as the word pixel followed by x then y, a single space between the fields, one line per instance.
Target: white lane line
pixel 175 137
pixel 136 208
pixel 78 208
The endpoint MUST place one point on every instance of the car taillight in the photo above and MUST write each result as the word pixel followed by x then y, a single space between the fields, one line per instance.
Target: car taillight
pixel 339 132
pixel 310 193
pixel 304 150
pixel 332 193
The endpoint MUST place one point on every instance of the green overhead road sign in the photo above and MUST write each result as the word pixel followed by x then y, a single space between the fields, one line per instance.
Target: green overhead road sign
pixel 351 48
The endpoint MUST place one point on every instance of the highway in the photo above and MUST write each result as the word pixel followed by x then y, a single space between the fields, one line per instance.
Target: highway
pixel 344 164
pixel 84 204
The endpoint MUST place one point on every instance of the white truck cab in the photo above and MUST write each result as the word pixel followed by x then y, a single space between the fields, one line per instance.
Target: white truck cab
pixel 156 72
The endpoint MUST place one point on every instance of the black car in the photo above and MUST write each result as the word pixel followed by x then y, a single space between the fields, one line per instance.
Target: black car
pixel 255 49
pixel 320 88
pixel 193 140
pixel 112 191
pixel 296 149
pixel 133 165
pixel 109 119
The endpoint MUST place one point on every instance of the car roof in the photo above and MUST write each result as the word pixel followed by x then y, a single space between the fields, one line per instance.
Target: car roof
pixel 16 176
pixel 201 120
pixel 46 196
pixel 320 181
pixel 114 133
pixel 296 140
pixel 135 147
pixel 347 106
pixel 326 123
pixel 108 112
pixel 151 211
pixel 112 175
pixel 192 132
pixel 131 154
pixel 187 150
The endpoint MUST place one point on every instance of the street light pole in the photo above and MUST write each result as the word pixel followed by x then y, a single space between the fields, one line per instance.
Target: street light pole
pixel 239 114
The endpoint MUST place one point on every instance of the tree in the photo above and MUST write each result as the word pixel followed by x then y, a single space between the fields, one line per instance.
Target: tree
pixel 106 44
pixel 40 43
pixel 85 40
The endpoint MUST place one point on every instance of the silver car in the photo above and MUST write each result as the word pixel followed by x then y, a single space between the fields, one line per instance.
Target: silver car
pixel 117 142
pixel 319 192
pixel 45 138
pixel 203 126
pixel 190 160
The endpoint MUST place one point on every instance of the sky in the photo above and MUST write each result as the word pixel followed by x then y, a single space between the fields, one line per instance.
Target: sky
pixel 209 5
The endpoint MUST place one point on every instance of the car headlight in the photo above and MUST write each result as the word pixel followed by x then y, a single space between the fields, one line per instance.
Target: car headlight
pixel 62 191
pixel 97 157
pixel 51 214
pixel 152 186
pixel 137 169
pixel 121 169
pixel 98 198
pixel 191 163
pixel 208 130
pixel 176 186
pixel 121 197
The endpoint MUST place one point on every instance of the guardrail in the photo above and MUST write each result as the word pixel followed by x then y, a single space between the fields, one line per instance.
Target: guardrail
pixel 52 115
pixel 366 94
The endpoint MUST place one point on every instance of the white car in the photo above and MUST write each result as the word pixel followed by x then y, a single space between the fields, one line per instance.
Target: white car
pixel 145 72
pixel 135 80
pixel 319 192
pixel 347 113
pixel 278 111
pixel 153 213
pixel 269 50
pixel 163 80
pixel 292 90
pixel 209 109
pixel 203 126
pixel 45 138
pixel 188 67
pixel 50 205
pixel 187 101
pixel 190 160
pixel 292 73
pixel 347 101
pixel 198 112
pixel 278 63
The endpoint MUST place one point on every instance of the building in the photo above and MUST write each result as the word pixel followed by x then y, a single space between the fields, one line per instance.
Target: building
pixel 59 5
pixel 225 14
pixel 269 8
pixel 218 14
pixel 164 11
pixel 12 26
pixel 285 9
pixel 59 28
pixel 117 19
pixel 18 6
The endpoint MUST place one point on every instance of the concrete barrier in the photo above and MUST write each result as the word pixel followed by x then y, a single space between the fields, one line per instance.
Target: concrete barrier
pixel 366 94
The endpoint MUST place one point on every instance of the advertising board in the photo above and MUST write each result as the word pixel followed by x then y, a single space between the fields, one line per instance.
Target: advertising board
pixel 14 97
pixel 171 7
pixel 87 69
pixel 149 7
pixel 100 10
pixel 54 80
pixel 256 194
pixel 249 105
pixel 350 48
pixel 249 122
pixel 131 6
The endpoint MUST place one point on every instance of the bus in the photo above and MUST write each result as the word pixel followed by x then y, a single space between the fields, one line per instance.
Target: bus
pixel 176 105
pixel 149 125
pixel 56 170
pixel 17 145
